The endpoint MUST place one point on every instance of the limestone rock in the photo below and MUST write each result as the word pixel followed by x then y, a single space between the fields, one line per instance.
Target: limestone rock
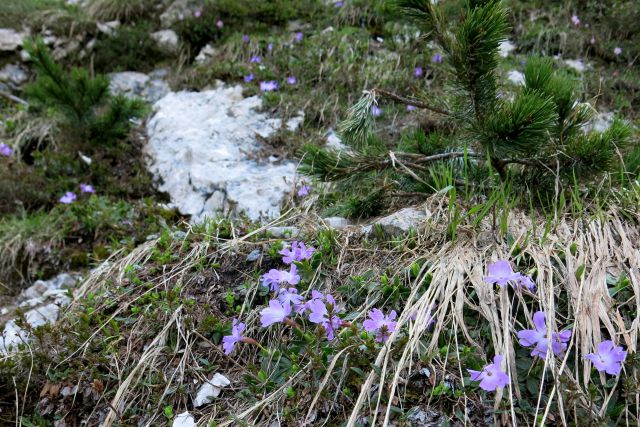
pixel 516 77
pixel 166 39
pixel 203 148
pixel 336 222
pixel 210 390
pixel 184 419
pixel 140 85
pixel 10 39
pixel 13 74
pixel 400 222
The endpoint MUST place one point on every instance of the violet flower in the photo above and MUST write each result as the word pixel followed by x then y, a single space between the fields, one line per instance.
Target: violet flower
pixel 274 278
pixel 492 377
pixel 617 51
pixel 255 60
pixel 381 324
pixel 290 296
pixel 304 191
pixel 269 86
pixel 338 4
pixel 68 198
pixel 575 20
pixel 219 23
pixel 277 312
pixel 539 339
pixel 500 273
pixel 197 13
pixel 292 80
pixel 429 313
pixel 324 316
pixel 249 78
pixel 229 341
pixel 609 358
pixel 86 188
pixel 245 38
pixel 376 111
pixel 269 47
pixel 298 36
pixel 437 58
pixel 411 107
pixel 5 150
pixel 418 72
pixel 298 252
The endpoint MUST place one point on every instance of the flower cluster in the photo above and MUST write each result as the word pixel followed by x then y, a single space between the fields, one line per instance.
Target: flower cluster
pixel 70 197
pixel 5 150
pixel 501 273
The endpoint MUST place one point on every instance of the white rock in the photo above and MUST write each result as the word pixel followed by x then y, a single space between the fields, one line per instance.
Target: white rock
pixel 334 141
pixel 336 222
pixel 201 148
pixel 184 419
pixel 42 315
pixel 600 122
pixel 167 39
pixel 577 64
pixel 282 232
pixel 516 77
pixel 505 48
pixel 400 222
pixel 14 74
pixel 11 337
pixel 108 28
pixel 205 53
pixel 10 39
pixel 210 390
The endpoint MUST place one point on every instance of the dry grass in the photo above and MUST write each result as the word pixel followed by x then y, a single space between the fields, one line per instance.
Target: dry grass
pixel 605 245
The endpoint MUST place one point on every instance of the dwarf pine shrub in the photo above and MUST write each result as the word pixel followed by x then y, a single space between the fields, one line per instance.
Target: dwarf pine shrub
pixel 534 137
pixel 82 102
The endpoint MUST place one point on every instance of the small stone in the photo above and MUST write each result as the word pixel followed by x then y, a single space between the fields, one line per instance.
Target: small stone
pixel 210 390
pixel 68 391
pixel 576 64
pixel 505 48
pixel 108 28
pixel 13 74
pixel 166 39
pixel 516 77
pixel 184 419
pixel 42 315
pixel 281 232
pixel 334 141
pixel 179 235
pixel 400 222
pixel 205 53
pixel 10 39
pixel 336 222
pixel 254 255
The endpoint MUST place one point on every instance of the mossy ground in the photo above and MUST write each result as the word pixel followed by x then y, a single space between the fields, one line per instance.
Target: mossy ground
pixel 186 289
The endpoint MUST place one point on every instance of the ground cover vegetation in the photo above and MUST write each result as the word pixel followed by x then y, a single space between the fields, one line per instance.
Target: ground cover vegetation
pixel 514 303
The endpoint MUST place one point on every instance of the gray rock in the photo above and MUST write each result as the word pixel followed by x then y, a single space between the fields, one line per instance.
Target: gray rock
pixel 179 9
pixel 166 39
pixel 208 51
pixel 13 74
pixel 140 85
pixel 577 64
pixel 419 417
pixel 254 255
pixel 202 149
pixel 336 222
pixel 11 40
pixel 179 235
pixel 400 222
pixel 515 77
pixel 184 419
pixel 505 48
pixel 108 28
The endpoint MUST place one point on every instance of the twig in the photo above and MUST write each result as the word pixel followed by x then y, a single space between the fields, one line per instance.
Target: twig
pixel 13 98
pixel 407 101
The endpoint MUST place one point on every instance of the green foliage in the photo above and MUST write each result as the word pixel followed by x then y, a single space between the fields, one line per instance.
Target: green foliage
pixel 527 135
pixel 121 10
pixel 81 101
pixel 129 48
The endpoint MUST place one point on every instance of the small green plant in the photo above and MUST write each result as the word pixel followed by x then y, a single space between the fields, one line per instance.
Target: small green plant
pixel 82 102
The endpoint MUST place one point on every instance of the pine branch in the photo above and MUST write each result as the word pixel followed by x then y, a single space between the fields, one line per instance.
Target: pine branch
pixel 408 101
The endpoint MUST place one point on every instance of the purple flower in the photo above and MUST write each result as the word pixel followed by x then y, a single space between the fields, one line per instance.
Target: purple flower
pixel 593 40
pixel 276 312
pixel 411 107
pixel 68 198
pixel 197 13
pixel 269 86
pixel 418 72
pixel 274 277
pixel 181 17
pixel 255 60
pixel 500 273
pixel 575 20
pixel 246 38
pixel 492 377
pixel 617 51
pixel 249 78
pixel 325 316
pixel 290 296
pixel 304 191
pixel 525 281
pixel 430 317
pixel 219 23
pixel 292 80
pixel 229 341
pixel 298 36
pixel 86 188
pixel 338 4
pixel 437 58
pixel 608 358
pixel 538 338
pixel 376 111
pixel 381 324
pixel 5 150
pixel 298 252
pixel 270 47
